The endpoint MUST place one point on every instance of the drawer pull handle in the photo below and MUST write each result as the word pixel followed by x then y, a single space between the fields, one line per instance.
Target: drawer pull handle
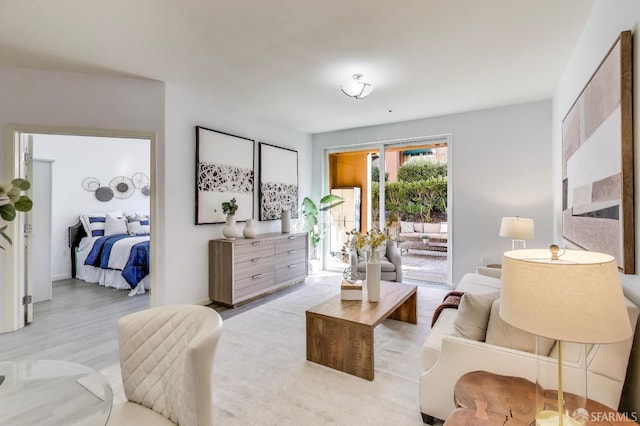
pixel 256 276
pixel 292 266
pixel 256 260
pixel 293 237
pixel 292 251
pixel 256 243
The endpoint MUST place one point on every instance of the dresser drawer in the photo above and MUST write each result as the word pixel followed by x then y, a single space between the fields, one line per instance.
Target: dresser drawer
pixel 292 242
pixel 253 267
pixel 291 257
pixel 291 272
pixel 253 250
pixel 252 285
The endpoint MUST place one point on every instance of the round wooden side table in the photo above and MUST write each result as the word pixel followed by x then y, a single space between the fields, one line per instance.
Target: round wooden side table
pixel 485 399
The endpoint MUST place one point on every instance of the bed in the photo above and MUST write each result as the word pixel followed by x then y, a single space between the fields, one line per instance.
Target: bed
pixel 111 249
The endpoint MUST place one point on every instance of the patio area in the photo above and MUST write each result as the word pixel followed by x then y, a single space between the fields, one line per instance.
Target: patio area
pixel 422 266
pixel 418 267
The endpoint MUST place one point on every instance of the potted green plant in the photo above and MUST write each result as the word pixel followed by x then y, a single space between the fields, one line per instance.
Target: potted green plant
pixel 230 231
pixel 11 202
pixel 310 213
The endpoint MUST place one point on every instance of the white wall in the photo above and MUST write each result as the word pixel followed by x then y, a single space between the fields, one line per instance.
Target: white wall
pixel 186 244
pixel 607 21
pixel 76 158
pixel 499 164
pixel 49 98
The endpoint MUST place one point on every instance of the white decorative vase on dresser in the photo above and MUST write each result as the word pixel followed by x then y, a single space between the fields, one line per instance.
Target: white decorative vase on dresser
pixel 230 230
pixel 249 230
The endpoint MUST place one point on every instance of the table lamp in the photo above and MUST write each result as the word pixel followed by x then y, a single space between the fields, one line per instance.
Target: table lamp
pixel 519 229
pixel 567 295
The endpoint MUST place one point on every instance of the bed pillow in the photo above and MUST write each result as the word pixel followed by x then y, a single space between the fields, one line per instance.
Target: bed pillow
pixel 501 333
pixel 473 315
pixel 135 227
pixel 115 225
pixel 93 223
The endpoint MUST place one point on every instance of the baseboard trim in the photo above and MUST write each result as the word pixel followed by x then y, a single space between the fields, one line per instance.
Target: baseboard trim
pixel 60 277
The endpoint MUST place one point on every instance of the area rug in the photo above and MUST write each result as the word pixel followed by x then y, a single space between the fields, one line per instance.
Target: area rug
pixel 263 377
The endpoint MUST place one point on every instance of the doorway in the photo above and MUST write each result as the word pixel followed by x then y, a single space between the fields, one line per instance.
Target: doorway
pixel 392 196
pixel 77 154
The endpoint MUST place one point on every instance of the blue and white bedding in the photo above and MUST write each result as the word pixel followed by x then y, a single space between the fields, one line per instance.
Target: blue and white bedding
pixel 128 255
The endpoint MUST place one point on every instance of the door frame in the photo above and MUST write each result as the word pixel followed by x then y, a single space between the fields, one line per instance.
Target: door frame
pixel 16 267
pixel 446 138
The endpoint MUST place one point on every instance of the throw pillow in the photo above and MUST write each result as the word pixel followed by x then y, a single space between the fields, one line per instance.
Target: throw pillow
pixel 473 315
pixel 501 333
pixel 406 226
pixel 115 225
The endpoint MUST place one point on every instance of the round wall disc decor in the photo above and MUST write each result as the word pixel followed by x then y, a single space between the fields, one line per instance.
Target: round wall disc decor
pixel 104 193
pixel 122 187
pixel 90 184
pixel 146 190
pixel 140 180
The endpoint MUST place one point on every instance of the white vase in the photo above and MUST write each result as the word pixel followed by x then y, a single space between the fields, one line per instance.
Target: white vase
pixel 285 221
pixel 230 230
pixel 249 230
pixel 373 276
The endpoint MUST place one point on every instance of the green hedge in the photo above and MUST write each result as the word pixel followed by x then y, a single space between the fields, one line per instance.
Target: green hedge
pixel 418 201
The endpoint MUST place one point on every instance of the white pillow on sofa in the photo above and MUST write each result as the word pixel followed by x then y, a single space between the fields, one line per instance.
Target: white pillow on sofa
pixel 473 315
pixel 406 226
pixel 501 333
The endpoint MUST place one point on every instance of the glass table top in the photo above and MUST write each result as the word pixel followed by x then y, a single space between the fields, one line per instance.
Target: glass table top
pixel 38 392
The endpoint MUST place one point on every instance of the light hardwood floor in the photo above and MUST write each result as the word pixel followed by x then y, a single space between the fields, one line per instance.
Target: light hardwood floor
pixel 79 324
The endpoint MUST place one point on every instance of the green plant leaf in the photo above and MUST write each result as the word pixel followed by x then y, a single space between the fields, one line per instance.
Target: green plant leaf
pixel 8 212
pixel 14 194
pixel 24 204
pixel 21 184
pixel 309 207
pixel 4 235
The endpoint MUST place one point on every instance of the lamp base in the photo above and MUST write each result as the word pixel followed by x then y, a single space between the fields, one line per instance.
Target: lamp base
pixel 552 418
pixel 518 244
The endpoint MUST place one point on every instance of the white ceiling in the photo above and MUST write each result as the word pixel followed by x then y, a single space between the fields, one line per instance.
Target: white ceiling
pixel 286 59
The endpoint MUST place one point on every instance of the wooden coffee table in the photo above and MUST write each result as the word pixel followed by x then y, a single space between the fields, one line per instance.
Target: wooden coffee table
pixel 340 332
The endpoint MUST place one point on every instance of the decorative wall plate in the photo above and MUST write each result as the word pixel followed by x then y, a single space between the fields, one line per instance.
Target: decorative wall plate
pixel 140 180
pixel 122 187
pixel 104 193
pixel 91 184
pixel 146 190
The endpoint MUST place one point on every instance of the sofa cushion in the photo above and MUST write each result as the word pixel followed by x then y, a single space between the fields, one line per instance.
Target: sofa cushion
pixel 431 228
pixel 406 227
pixel 501 333
pixel 473 315
pixel 418 227
pixel 478 284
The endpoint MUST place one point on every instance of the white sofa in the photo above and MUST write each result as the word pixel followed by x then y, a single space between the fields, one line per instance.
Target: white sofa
pixel 445 358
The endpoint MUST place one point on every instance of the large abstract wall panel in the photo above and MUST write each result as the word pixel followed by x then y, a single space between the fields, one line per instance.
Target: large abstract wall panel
pixel 278 181
pixel 224 170
pixel 597 161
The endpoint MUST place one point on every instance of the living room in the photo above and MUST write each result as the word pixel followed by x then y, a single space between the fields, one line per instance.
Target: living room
pixel 490 179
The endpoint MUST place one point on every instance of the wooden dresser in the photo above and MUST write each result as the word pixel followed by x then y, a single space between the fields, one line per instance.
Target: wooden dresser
pixel 243 269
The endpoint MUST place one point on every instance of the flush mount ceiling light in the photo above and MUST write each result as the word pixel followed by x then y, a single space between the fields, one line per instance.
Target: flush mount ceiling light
pixel 357 88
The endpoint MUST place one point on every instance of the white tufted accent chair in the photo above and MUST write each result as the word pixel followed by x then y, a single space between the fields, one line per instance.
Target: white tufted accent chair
pixel 166 358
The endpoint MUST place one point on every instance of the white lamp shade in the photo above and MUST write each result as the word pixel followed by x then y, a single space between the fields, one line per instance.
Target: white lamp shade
pixel 517 228
pixel 577 298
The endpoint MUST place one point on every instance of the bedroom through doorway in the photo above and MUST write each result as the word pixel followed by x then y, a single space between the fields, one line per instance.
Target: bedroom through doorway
pixel 74 173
